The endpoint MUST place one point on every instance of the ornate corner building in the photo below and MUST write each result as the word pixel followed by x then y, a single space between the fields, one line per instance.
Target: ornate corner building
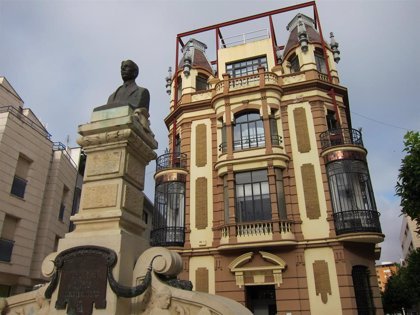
pixel 266 192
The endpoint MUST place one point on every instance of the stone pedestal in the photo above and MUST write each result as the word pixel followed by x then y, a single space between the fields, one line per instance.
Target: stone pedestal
pixel 119 144
pixel 105 266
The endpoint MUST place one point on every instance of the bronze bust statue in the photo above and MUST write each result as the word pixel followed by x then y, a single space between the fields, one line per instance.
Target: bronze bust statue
pixel 129 93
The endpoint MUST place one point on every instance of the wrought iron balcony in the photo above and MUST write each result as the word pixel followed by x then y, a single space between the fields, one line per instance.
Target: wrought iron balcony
pixel 356 221
pixel 168 236
pixel 340 136
pixel 171 160
pixel 251 142
pixel 6 249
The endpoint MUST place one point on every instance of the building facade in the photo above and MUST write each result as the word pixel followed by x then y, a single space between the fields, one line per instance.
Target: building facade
pixel 409 239
pixel 383 272
pixel 265 191
pixel 37 186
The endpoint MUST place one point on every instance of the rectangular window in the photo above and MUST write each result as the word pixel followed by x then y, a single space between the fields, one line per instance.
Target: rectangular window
pixel 145 217
pixel 7 237
pixel 4 290
pixel 275 138
pixel 201 82
pixel 331 121
pixel 246 67
pixel 179 88
pixel 362 290
pixel 252 196
pixel 63 203
pixel 320 61
pixel 226 198
pixel 294 63
pixel 248 131
pixel 223 145
pixel 20 178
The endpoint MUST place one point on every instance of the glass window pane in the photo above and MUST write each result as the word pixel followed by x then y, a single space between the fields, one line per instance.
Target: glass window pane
pixel 259 176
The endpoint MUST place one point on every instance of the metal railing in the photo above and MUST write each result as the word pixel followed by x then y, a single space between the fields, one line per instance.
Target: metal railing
pixel 58 146
pixel 244 38
pixel 276 140
pixel 168 236
pixel 6 249
pixel 249 142
pixel 340 136
pixel 171 160
pixel 19 114
pixel 354 221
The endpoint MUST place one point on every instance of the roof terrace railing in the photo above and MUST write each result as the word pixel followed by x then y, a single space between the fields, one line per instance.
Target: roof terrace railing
pixel 18 114
pixel 244 38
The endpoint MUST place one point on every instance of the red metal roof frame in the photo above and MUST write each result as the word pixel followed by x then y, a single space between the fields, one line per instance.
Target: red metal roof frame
pixel 218 34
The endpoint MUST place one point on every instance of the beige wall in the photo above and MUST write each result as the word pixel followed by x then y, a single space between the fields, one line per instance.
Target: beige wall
pixel 410 240
pixel 36 214
pixel 61 177
pixel 8 96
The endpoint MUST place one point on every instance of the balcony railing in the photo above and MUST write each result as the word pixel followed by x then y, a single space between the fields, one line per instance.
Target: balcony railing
pixel 340 136
pixel 249 142
pixel 171 160
pixel 246 81
pixel 355 221
pixel 253 142
pixel 244 38
pixel 257 229
pixel 6 249
pixel 168 236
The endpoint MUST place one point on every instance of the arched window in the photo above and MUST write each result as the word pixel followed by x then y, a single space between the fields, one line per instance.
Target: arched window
pixel 320 60
pixel 179 88
pixel 248 131
pixel 201 82
pixel 294 63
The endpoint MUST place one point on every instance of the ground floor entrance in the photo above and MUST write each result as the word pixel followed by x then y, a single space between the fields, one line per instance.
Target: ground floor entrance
pixel 261 299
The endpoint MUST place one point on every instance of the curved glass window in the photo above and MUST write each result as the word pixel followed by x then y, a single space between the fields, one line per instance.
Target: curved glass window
pixel 169 215
pixel 352 197
pixel 248 131
pixel 350 186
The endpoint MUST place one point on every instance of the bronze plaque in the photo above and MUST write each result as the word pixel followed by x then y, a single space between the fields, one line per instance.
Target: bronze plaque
pixel 83 280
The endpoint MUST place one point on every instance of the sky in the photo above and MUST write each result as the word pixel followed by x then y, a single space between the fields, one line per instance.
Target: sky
pixel 63 58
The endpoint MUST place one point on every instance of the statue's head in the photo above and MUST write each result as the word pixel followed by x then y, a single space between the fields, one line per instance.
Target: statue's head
pixel 129 70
